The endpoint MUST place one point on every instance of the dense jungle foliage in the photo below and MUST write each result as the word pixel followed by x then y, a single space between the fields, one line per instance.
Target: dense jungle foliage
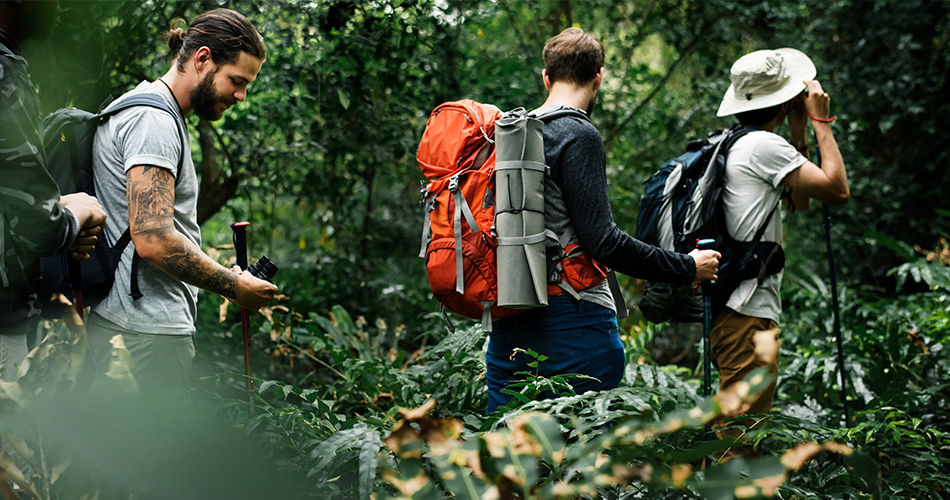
pixel 361 390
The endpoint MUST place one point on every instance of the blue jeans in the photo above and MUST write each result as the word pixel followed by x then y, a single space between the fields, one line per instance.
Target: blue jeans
pixel 577 337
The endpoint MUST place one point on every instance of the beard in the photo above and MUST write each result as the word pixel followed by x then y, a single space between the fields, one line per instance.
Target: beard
pixel 205 99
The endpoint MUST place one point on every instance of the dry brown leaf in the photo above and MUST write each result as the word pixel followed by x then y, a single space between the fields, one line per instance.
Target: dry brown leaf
pixel 409 487
pixel 522 442
pixel 417 413
pixel 766 345
pixel 13 473
pixel 680 474
pixel 795 457
pixel 839 448
pixel 223 311
pixel 746 491
pixel 268 312
pixel 769 485
pixel 918 341
pixel 495 443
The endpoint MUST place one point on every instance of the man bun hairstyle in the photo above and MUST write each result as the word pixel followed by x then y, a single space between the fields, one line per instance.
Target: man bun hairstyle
pixel 573 57
pixel 226 32
pixel 176 36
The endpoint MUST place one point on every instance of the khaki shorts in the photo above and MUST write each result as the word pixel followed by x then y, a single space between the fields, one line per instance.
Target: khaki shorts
pixel 159 361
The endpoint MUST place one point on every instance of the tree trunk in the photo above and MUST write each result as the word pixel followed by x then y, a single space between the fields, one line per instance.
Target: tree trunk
pixel 216 187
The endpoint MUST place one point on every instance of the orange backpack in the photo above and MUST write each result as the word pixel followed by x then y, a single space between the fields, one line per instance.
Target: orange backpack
pixel 457 157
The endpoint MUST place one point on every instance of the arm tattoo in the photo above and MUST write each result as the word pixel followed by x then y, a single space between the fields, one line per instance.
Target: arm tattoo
pixel 188 267
pixel 151 197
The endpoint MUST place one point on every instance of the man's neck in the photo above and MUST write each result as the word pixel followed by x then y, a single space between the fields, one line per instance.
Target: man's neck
pixel 570 94
pixel 179 89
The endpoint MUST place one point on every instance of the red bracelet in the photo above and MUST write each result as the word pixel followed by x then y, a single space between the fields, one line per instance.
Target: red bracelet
pixel 828 120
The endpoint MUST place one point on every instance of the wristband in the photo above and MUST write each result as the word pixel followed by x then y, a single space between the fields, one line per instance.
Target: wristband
pixel 825 120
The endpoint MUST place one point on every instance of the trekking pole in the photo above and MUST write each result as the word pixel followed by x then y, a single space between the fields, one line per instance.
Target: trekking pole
pixel 240 249
pixel 834 299
pixel 706 287
pixel 75 281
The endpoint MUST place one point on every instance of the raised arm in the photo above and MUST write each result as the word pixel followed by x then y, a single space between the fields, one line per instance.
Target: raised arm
pixel 151 198
pixel 829 182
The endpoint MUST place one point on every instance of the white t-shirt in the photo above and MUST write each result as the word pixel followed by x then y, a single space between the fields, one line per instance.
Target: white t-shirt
pixel 144 135
pixel 755 168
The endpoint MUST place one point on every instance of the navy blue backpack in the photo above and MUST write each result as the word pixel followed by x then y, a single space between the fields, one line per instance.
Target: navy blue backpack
pixel 681 205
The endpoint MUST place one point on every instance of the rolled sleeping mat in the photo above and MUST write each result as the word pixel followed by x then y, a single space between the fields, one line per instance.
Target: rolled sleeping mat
pixel 519 211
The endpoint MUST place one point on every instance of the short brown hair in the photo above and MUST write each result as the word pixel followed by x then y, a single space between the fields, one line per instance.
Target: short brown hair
pixel 573 56
pixel 226 32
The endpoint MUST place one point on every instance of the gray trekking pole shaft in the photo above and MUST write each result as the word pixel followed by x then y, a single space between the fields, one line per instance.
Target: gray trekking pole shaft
pixel 834 299
pixel 706 288
pixel 240 250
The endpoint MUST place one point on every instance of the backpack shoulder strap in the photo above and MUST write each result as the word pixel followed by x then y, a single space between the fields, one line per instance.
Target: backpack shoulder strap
pixel 551 113
pixel 153 101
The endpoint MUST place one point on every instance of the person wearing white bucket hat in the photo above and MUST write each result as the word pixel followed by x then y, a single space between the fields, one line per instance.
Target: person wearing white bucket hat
pixel 768 87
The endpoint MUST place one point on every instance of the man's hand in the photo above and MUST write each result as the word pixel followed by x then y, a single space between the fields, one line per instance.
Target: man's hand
pixel 85 243
pixel 817 101
pixel 252 293
pixel 707 264
pixel 92 219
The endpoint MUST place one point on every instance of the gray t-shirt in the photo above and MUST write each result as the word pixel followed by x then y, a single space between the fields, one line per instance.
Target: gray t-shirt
pixel 756 165
pixel 144 135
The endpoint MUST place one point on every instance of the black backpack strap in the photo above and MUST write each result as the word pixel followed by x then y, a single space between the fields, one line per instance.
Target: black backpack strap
pixel 619 302
pixel 154 101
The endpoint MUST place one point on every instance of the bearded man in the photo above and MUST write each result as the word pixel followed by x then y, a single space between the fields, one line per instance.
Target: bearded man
pixel 146 180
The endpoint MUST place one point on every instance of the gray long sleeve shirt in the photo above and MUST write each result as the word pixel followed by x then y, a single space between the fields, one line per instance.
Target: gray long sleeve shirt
pixel 576 194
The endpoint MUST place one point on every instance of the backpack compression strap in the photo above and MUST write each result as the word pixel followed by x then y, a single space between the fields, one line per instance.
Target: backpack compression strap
pixel 154 101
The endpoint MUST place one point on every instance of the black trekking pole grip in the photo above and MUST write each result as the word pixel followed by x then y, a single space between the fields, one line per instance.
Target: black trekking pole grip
pixel 240 243
pixel 240 250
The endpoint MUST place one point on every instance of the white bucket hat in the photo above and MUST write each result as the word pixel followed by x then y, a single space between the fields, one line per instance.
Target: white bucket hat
pixel 766 78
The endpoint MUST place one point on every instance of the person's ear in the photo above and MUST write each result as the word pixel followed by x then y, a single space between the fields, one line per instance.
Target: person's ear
pixel 202 59
pixel 547 81
pixel 599 78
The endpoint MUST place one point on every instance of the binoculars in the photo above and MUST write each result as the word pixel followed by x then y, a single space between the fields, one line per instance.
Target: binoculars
pixel 264 269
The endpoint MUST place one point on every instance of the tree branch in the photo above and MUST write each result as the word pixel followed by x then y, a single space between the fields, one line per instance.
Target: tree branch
pixel 684 52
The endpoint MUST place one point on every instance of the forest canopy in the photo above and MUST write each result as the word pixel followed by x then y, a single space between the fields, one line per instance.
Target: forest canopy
pixel 320 159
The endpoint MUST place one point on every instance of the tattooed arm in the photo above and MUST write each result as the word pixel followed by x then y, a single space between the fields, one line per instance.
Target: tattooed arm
pixel 151 197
